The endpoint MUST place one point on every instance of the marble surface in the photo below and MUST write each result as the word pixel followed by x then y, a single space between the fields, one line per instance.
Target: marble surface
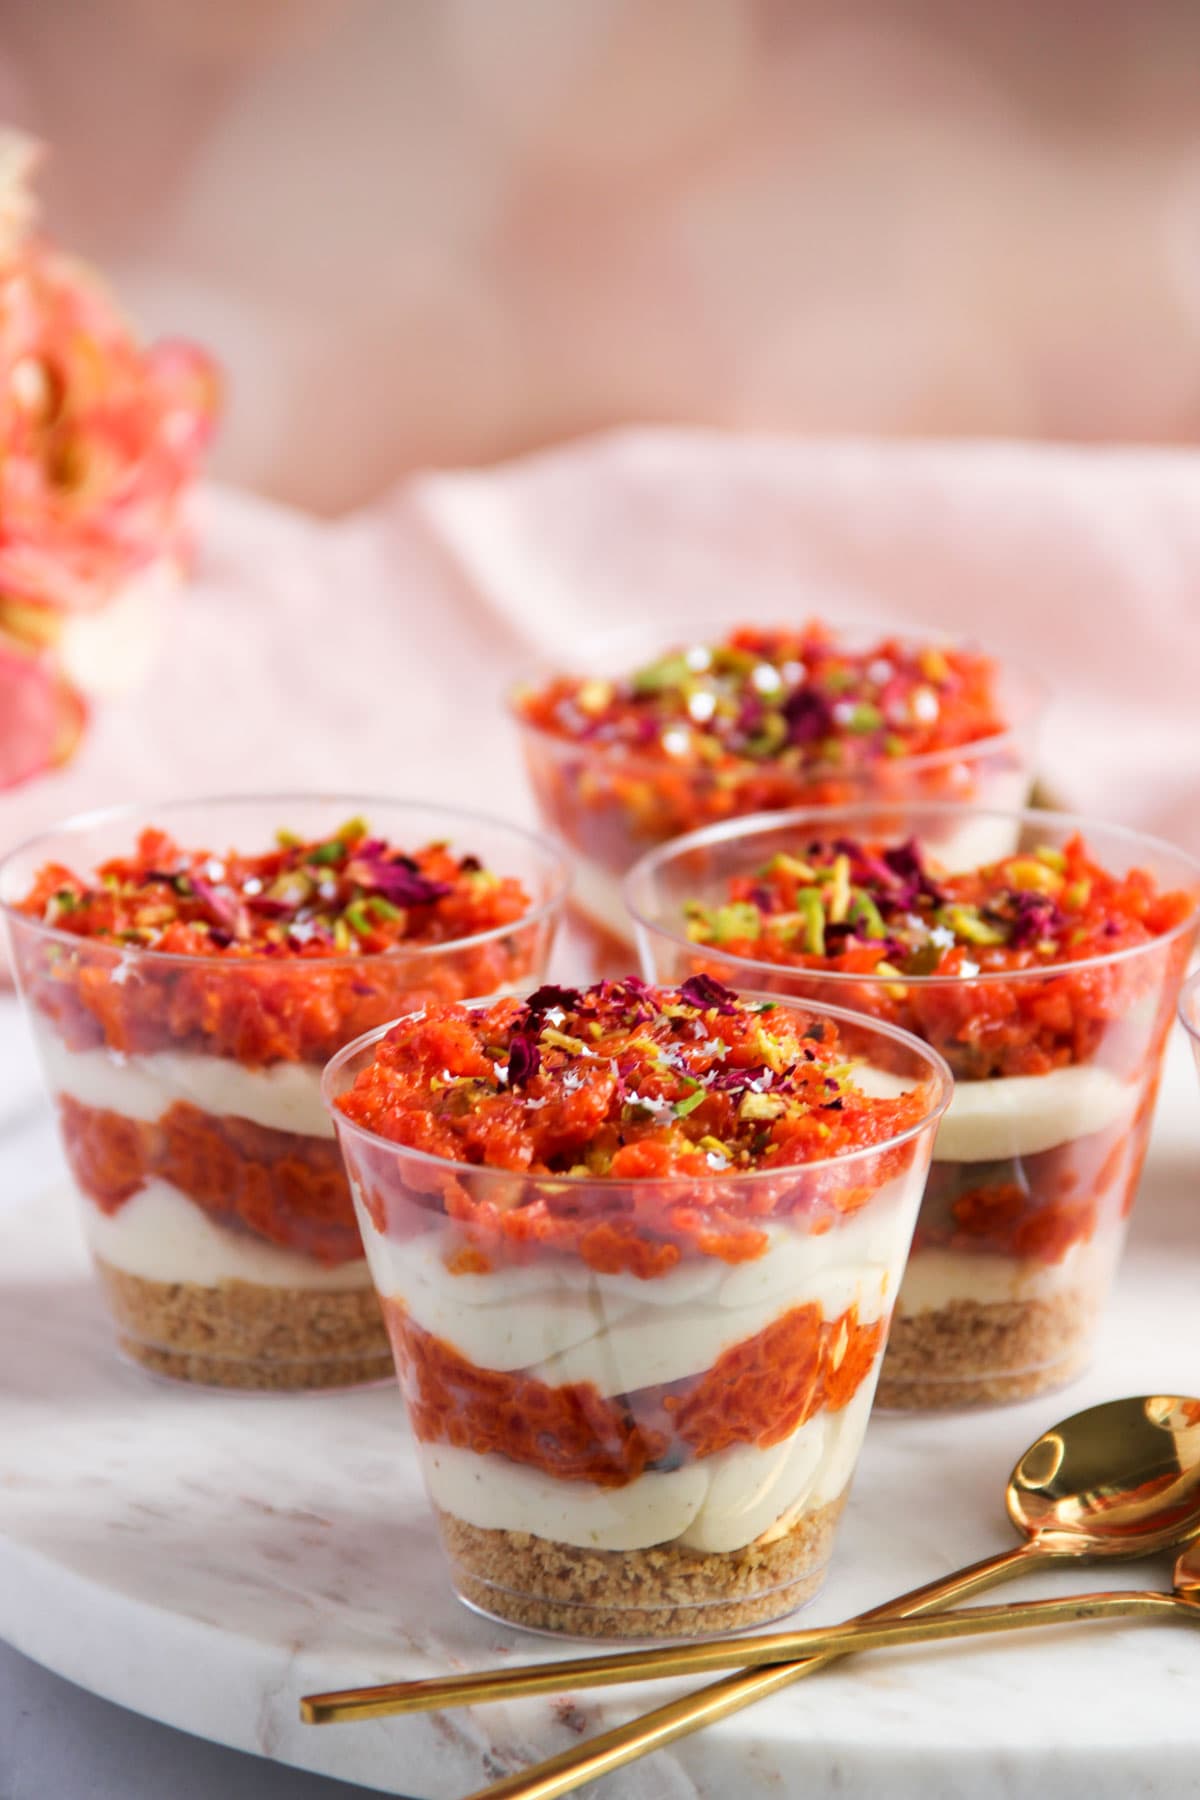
pixel 206 1559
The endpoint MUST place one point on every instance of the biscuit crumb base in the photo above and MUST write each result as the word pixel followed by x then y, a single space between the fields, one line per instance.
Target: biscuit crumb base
pixel 985 1355
pixel 664 1592
pixel 241 1334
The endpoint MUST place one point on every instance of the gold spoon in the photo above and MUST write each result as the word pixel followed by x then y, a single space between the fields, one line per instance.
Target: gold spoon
pixel 1117 1481
pixel 825 1642
pixel 829 1642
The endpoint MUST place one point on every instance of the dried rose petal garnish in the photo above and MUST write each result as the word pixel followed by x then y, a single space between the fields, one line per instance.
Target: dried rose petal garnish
pixel 622 1081
pixel 335 896
pixel 792 698
pixel 873 909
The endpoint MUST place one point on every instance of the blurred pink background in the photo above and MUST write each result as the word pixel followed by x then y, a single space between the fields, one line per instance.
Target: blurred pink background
pixel 426 232
pixel 439 234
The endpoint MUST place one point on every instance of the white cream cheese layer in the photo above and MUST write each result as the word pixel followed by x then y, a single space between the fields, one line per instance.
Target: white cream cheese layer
pixel 749 1489
pixel 719 1504
pixel 847 1430
pixel 646 1349
pixel 283 1096
pixel 565 1323
pixel 427 1261
pixel 936 1278
pixel 497 1495
pixel 509 1337
pixel 161 1235
pixel 876 1233
pixel 1022 1115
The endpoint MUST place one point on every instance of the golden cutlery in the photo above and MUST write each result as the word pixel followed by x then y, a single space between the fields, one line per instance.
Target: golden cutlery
pixel 827 1642
pixel 1117 1481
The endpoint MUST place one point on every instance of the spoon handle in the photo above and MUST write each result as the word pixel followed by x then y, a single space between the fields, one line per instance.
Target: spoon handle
pixel 658 1663
pixel 625 1743
pixel 827 1642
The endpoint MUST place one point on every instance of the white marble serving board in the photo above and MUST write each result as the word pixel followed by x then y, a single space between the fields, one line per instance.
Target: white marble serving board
pixel 207 1559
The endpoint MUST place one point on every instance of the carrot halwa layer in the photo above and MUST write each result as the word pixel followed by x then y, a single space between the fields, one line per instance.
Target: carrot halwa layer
pixel 795 698
pixel 1033 1207
pixel 757 1392
pixel 278 1186
pixel 278 956
pixel 665 1097
pixel 766 718
pixel 887 913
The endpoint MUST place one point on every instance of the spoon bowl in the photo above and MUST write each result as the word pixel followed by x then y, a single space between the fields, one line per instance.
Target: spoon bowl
pixel 1186 1578
pixel 1117 1480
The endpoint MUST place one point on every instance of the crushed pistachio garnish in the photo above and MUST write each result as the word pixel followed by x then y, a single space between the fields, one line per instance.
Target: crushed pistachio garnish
pixel 689 1080
pixel 891 911
pixel 795 697
pixel 345 894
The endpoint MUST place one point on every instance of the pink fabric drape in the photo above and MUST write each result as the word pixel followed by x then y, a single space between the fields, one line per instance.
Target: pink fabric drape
pixel 372 653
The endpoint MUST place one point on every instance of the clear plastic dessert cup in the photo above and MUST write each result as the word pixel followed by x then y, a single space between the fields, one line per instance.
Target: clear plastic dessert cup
pixel 1056 1068
pixel 187 1089
pixel 610 806
pixel 654 1453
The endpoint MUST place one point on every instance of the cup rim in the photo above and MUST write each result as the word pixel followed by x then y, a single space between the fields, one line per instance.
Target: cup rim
pixel 938 1068
pixel 745 967
pixel 77 823
pixel 1032 697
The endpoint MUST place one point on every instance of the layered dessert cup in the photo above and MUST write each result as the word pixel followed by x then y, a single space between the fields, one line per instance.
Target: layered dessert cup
pixel 1047 979
pixel 637 1250
pixel 638 745
pixel 184 997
